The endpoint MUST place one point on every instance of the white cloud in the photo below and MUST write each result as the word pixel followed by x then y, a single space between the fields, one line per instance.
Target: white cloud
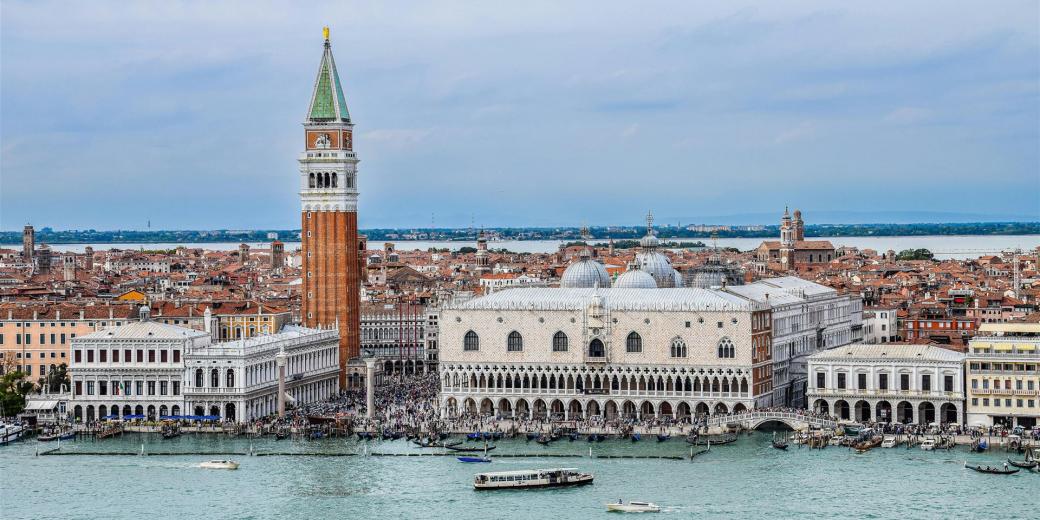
pixel 800 132
pixel 907 115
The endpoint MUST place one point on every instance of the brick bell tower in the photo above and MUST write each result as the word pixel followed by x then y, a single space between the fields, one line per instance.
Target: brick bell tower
pixel 328 194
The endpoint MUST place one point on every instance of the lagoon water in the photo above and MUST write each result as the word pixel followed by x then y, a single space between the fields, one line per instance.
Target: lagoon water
pixel 946 247
pixel 748 479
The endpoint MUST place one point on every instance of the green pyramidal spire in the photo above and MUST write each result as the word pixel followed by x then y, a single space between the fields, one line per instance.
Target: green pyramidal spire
pixel 327 102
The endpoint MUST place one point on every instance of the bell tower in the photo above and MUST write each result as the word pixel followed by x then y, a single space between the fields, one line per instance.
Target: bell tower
pixel 328 195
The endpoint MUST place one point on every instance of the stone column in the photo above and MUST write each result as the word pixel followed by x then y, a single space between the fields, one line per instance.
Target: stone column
pixel 279 360
pixel 370 387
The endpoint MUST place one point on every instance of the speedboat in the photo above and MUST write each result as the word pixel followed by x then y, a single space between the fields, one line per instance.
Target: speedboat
pixel 928 444
pixel 10 432
pixel 474 459
pixel 634 507
pixel 889 442
pixel 219 464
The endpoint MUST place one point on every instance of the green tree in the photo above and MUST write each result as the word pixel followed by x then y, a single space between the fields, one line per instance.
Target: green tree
pixel 914 254
pixel 13 388
pixel 466 250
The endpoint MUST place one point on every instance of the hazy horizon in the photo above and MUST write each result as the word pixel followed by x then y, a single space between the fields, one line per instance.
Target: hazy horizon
pixel 189 114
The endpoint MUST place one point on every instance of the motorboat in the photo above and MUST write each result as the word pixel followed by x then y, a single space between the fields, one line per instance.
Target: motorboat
pixel 928 444
pixel 634 507
pixel 532 478
pixel 474 459
pixel 889 442
pixel 10 432
pixel 219 464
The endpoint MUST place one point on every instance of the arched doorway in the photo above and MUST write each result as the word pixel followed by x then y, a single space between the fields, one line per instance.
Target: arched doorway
pixel 926 413
pixel 540 410
pixel 884 412
pixel 174 410
pixel 214 411
pixel 703 410
pixel 469 405
pixel 628 409
pixel 905 412
pixel 739 408
pixel 841 409
pixel 682 411
pixel 229 412
pixel 821 406
pixel 574 410
pixel 102 412
pixel 127 411
pixel 77 413
pixel 592 409
pixel 90 413
pixel 163 411
pixel 721 409
pixel 557 409
pixel 666 410
pixel 199 411
pixel 949 413
pixel 486 406
pixel 504 408
pixel 596 348
pixel 151 412
pixel 610 410
pixel 646 409
pixel 862 411
pixel 523 409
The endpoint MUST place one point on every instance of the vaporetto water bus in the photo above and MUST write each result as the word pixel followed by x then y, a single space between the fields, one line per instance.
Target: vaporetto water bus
pixel 532 478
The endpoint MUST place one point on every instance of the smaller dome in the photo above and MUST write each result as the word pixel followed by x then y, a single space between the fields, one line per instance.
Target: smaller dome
pixel 585 274
pixel 678 278
pixel 635 279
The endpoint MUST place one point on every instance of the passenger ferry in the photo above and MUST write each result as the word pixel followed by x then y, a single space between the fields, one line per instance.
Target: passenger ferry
pixel 532 478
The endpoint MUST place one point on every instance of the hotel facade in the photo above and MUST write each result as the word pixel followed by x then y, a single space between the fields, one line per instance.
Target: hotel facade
pixel 1003 373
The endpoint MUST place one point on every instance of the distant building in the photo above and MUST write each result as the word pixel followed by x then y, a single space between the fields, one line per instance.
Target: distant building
pixel 793 252
pixel 1003 374
pixel 880 325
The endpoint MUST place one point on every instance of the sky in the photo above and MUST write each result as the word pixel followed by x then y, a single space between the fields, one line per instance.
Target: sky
pixel 188 114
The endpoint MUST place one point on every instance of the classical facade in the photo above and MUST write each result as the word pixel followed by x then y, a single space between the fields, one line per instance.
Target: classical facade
pixel 807 318
pixel 238 380
pixel 134 369
pixel 395 333
pixel 889 382
pixel 573 353
pixel 328 194
pixel 1003 373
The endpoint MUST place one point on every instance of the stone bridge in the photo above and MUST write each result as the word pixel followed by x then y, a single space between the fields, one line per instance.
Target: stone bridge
pixel 755 418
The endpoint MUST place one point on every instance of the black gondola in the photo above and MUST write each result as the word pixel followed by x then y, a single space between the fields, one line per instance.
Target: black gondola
pixel 442 436
pixel 544 440
pixel 662 437
pixel 572 436
pixel 1027 464
pixel 280 435
pixel 532 436
pixel 636 437
pixel 364 436
pixel 991 470
pixel 780 445
pixel 468 450
pixel 600 437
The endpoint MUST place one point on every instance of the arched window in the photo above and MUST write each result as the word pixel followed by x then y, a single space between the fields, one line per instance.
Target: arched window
pixel 198 378
pixel 230 378
pixel 559 342
pixel 678 348
pixel 596 348
pixel 726 348
pixel 334 179
pixel 471 341
pixel 515 342
pixel 214 378
pixel 634 343
pixel 310 183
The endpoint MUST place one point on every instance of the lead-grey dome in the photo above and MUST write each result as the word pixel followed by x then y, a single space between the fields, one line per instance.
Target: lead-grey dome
pixel 635 279
pixel 585 274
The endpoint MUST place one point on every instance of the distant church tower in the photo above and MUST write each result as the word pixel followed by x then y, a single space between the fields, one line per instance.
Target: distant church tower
pixel 483 260
pixel 28 243
pixel 328 194
pixel 799 226
pixel 787 241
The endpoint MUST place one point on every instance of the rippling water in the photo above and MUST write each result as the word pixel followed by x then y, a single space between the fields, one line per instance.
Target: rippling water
pixel 746 479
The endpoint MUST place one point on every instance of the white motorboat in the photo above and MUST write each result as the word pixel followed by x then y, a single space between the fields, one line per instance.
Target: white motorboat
pixel 531 478
pixel 888 442
pixel 634 507
pixel 928 444
pixel 219 464
pixel 10 432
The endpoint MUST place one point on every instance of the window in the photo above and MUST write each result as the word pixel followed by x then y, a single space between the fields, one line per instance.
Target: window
pixel 471 341
pixel 214 378
pixel 596 349
pixel 230 378
pixel 127 356
pixel 90 388
pixel 947 383
pixel 904 381
pixel 841 380
pixel 90 356
pixel 79 387
pixel 103 355
pixel 634 342
pixel 198 378
pixel 678 349
pixel 883 381
pixel 514 342
pixel 726 348
pixel 77 355
pixel 559 342
pixel 139 387
pixel 926 383
pixel 151 387
pixel 974 401
pixel 821 380
pixel 176 388
pixel 164 356
pixel 127 387
pixel 176 356
pixel 140 355
pixel 163 387
pixel 861 381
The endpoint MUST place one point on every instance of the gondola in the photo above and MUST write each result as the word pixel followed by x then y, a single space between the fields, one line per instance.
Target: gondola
pixel 572 436
pixel 991 470
pixel 1027 464
pixel 532 436
pixel 636 437
pixel 48 437
pixel 979 446
pixel 315 435
pixel 395 435
pixel 67 437
pixel 364 436
pixel 600 437
pixel 780 445
pixel 280 435
pixel 544 440
pixel 442 436
pixel 476 436
pixel 496 436
pixel 662 437
pixel 469 450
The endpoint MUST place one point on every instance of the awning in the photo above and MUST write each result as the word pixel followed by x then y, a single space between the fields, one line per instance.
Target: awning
pixel 42 405
pixel 1026 347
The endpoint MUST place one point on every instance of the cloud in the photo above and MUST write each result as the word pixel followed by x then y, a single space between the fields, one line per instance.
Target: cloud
pixel 632 129
pixel 907 115
pixel 800 132
pixel 397 136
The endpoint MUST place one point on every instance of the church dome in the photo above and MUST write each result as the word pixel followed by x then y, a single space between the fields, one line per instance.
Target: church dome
pixel 585 274
pixel 657 265
pixel 635 279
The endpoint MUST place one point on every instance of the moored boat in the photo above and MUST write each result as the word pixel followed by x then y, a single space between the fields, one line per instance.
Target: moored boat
pixel 663 437
pixel 219 464
pixel 634 507
pixel 928 444
pixel 530 479
pixel 474 459
pixel 991 470
pixel 1026 464
pixel 888 442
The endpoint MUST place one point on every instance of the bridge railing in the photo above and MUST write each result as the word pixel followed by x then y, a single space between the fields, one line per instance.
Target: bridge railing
pixel 753 415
